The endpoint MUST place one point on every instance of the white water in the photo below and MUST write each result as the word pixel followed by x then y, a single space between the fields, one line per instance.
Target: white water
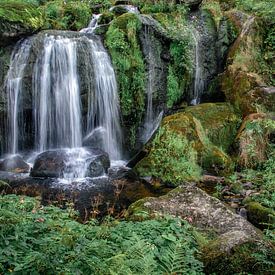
pixel 92 25
pixel 103 108
pixel 151 121
pixel 57 106
pixel 128 8
pixel 199 81
pixel 13 87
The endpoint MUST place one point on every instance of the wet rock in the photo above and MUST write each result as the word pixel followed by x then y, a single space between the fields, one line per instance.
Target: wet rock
pixel 121 9
pixel 98 165
pixel 193 4
pixel 14 164
pixel 58 163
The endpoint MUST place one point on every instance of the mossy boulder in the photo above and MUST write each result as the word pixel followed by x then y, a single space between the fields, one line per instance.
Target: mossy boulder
pixel 236 252
pixel 219 120
pixel 260 216
pixel 231 241
pixel 253 139
pixel 190 139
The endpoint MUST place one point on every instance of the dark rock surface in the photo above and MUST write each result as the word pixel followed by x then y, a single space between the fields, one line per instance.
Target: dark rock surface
pixel 57 163
pixel 14 164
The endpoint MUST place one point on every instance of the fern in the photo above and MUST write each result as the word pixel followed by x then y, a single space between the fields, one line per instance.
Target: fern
pixel 177 258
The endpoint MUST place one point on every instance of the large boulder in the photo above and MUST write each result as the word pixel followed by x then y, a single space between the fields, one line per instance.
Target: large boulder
pixel 184 143
pixel 229 240
pixel 14 164
pixel 71 163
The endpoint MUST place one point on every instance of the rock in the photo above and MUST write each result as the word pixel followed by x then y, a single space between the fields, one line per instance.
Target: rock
pixel 65 162
pixel 234 252
pixel 98 166
pixel 193 4
pixel 14 164
pixel 184 140
pixel 231 241
pixel 260 216
pixel 207 213
pixel 121 9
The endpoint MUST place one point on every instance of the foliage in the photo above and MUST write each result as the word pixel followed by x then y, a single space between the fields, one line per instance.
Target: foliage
pixel 181 65
pixel 24 13
pixel 72 15
pixel 254 144
pixel 124 48
pixel 46 240
pixel 264 8
pixel 171 158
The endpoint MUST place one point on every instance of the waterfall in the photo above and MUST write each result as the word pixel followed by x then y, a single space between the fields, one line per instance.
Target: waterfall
pixel 103 103
pixel 13 87
pixel 151 120
pixel 92 25
pixel 199 81
pixel 57 106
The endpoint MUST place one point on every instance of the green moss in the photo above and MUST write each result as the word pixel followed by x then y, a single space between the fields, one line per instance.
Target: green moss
pixel 260 216
pixel 245 258
pixel 72 15
pixel 182 145
pixel 220 121
pixel 23 13
pixel 172 158
pixel 122 43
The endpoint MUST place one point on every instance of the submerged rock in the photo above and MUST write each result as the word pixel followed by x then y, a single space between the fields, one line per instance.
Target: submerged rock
pixel 14 164
pixel 71 163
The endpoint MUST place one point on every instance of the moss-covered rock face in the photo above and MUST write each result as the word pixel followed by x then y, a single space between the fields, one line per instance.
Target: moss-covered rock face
pixel 122 42
pixel 187 139
pixel 18 19
pixel 220 122
pixel 247 76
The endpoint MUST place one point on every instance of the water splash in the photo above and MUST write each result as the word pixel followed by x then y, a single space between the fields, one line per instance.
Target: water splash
pixel 57 106
pixel 13 87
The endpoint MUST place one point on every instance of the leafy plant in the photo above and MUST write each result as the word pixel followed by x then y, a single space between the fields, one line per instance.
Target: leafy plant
pixel 46 240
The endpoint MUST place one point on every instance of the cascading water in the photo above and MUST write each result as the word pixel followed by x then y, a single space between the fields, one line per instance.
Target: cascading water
pixel 13 87
pixel 57 106
pixel 198 81
pixel 92 25
pixel 151 121
pixel 103 108
pixel 56 96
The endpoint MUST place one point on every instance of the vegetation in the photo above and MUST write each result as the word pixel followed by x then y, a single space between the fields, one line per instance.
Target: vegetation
pixel 122 42
pixel 47 240
pixel 25 13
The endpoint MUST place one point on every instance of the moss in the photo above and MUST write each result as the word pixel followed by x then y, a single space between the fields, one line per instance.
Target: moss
pixel 220 122
pixel 122 42
pixel 243 258
pixel 60 15
pixel 25 14
pixel 259 215
pixel 182 145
